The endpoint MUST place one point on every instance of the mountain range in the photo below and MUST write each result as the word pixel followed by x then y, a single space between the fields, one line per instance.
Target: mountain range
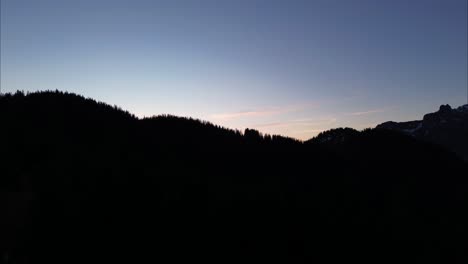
pixel 447 127
pixel 84 181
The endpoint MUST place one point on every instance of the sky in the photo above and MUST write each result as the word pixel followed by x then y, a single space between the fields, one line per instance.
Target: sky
pixel 287 67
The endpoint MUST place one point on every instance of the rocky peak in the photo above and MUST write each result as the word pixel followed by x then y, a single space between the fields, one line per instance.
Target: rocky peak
pixel 445 108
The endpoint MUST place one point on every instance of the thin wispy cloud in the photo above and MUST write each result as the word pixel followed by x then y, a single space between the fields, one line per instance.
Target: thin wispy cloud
pixel 262 112
pixel 368 112
pixel 245 114
pixel 297 122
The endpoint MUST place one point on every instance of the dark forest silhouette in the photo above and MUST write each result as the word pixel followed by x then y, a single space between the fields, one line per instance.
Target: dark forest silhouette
pixel 83 181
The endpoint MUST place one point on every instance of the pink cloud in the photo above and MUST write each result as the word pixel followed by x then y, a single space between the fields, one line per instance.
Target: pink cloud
pixel 262 112
pixel 365 112
pixel 244 114
pixel 298 122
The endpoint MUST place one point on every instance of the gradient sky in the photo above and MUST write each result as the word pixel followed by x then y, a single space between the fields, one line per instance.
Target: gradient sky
pixel 285 67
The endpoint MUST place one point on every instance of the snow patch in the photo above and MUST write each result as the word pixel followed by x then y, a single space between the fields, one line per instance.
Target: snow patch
pixel 463 108
pixel 411 131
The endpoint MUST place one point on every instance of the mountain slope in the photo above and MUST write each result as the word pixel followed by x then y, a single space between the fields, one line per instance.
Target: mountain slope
pixel 83 181
pixel 447 127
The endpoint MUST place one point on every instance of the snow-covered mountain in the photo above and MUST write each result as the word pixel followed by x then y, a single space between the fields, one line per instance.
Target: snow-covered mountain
pixel 447 127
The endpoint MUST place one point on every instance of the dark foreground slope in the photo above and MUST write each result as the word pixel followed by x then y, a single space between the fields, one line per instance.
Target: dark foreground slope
pixel 82 181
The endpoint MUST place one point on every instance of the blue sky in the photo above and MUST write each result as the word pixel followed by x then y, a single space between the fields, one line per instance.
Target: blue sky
pixel 285 67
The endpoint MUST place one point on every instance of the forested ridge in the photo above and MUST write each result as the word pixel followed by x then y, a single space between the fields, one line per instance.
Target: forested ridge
pixel 84 181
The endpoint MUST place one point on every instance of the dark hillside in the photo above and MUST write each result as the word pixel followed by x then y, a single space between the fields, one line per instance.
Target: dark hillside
pixel 83 181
